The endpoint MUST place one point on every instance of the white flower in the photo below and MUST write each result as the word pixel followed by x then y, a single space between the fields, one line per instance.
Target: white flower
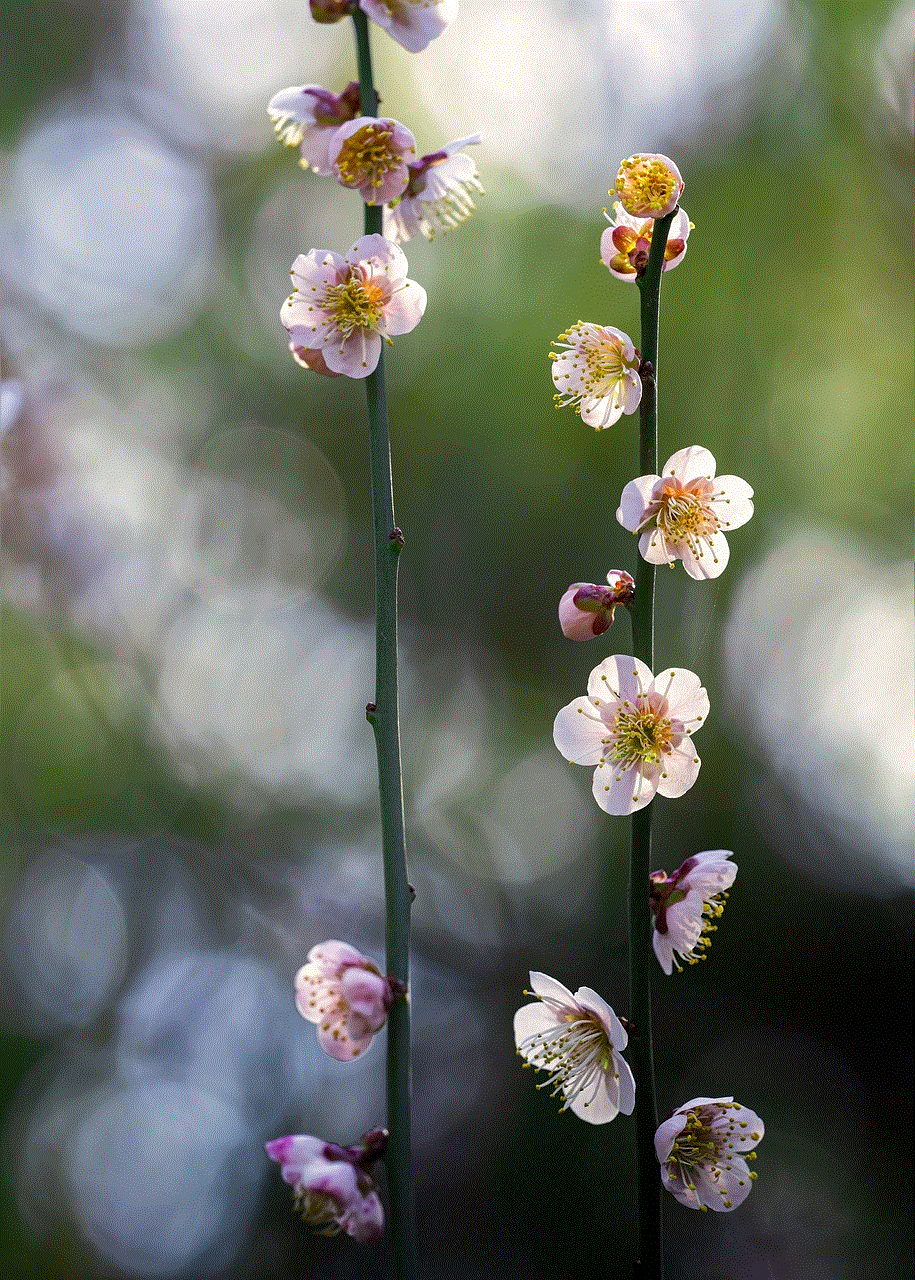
pixel 681 515
pixel 625 244
pixel 685 903
pixel 307 116
pixel 412 23
pixel 597 370
pixel 345 306
pixel 345 995
pixel 635 728
pixel 649 186
pixel 438 193
pixel 701 1148
pixel 576 1039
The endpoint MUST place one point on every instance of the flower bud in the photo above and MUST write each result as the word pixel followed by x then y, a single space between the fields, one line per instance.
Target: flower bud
pixel 586 610
pixel 648 186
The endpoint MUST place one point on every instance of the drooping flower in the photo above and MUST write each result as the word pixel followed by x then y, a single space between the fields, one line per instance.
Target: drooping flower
pixel 412 23
pixel 625 244
pixel 586 610
pixel 438 193
pixel 685 903
pixel 372 156
pixel 333 1185
pixel 648 186
pixel 578 1040
pixel 307 116
pixel 597 369
pixel 636 729
pixel 344 306
pixel 681 515
pixel 345 995
pixel 703 1150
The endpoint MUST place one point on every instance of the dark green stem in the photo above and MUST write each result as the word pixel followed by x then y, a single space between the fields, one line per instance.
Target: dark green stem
pixel 649 1264
pixel 384 718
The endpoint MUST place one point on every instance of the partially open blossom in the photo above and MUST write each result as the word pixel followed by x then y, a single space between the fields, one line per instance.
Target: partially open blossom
pixel 307 116
pixel 635 728
pixel 684 905
pixel 344 307
pixel 345 995
pixel 372 156
pixel 578 1040
pixel 625 244
pixel 703 1150
pixel 438 193
pixel 412 23
pixel 596 369
pixel 648 186
pixel 681 515
pixel 333 1185
pixel 586 610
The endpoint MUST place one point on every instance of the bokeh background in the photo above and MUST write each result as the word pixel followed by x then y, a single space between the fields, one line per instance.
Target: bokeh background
pixel 188 781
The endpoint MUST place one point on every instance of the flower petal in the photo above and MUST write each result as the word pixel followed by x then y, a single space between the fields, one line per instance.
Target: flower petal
pixel 549 988
pixel 626 792
pixel 634 500
pixel 711 559
pixel 586 998
pixel 680 771
pixel 579 733
pixel 404 309
pixel 619 677
pixel 689 464
pixel 732 503
pixel 687 700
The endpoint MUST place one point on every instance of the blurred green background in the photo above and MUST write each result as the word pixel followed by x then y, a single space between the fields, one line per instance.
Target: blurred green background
pixel 187 784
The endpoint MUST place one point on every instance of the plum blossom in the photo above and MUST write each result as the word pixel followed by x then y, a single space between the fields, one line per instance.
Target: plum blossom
pixel 345 995
pixel 636 729
pixel 649 186
pixel 578 1040
pixel 703 1149
pixel 372 156
pixel 586 610
pixel 344 306
pixel 333 1185
pixel 681 515
pixel 307 116
pixel 685 903
pixel 412 23
pixel 597 369
pixel 625 244
pixel 437 195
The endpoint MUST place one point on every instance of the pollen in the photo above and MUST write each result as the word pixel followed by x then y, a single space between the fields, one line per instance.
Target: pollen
pixel 368 156
pixel 356 303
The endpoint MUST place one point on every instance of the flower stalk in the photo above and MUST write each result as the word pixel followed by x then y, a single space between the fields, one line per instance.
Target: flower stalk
pixel 649 1263
pixel 384 718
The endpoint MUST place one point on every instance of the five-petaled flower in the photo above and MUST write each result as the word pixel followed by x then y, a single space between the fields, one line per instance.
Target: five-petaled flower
pixel 636 729
pixel 307 116
pixel 625 244
pixel 685 903
pixel 648 186
pixel 703 1150
pixel 597 369
pixel 372 155
pixel 438 193
pixel 412 23
pixel 344 306
pixel 333 1185
pixel 586 610
pixel 682 514
pixel 345 995
pixel 578 1040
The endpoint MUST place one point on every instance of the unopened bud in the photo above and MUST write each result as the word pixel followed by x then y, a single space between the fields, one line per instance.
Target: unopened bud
pixel 648 186
pixel 587 608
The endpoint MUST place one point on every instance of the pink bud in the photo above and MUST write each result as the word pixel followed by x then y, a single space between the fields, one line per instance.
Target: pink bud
pixel 586 609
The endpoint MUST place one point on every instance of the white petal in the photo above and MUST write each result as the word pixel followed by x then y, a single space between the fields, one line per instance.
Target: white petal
pixel 385 257
pixel 549 988
pixel 680 770
pixel 687 700
pixel 579 733
pixel 627 1087
pixel 619 676
pixel 404 309
pixel 690 463
pixel 622 794
pixel 532 1020
pixel 710 562
pixel 601 411
pixel 732 503
pixel 599 1106
pixel 663 949
pixel 668 1132
pixel 654 548
pixel 315 269
pixel 633 501
pixel 589 999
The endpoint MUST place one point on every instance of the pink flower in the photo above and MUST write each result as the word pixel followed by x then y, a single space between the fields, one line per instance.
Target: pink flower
pixel 343 307
pixel 307 116
pixel 684 905
pixel 597 370
pixel 681 515
pixel 701 1150
pixel 345 995
pixel 625 244
pixel 577 1039
pixel 412 23
pixel 372 156
pixel 586 610
pixel 437 196
pixel 333 1185
pixel 649 186
pixel 636 729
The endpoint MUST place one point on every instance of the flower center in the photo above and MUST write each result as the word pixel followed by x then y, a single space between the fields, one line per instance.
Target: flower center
pixel 645 184
pixel 320 1211
pixel 696 1144
pixel 642 735
pixel 368 156
pixel 684 515
pixel 354 304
